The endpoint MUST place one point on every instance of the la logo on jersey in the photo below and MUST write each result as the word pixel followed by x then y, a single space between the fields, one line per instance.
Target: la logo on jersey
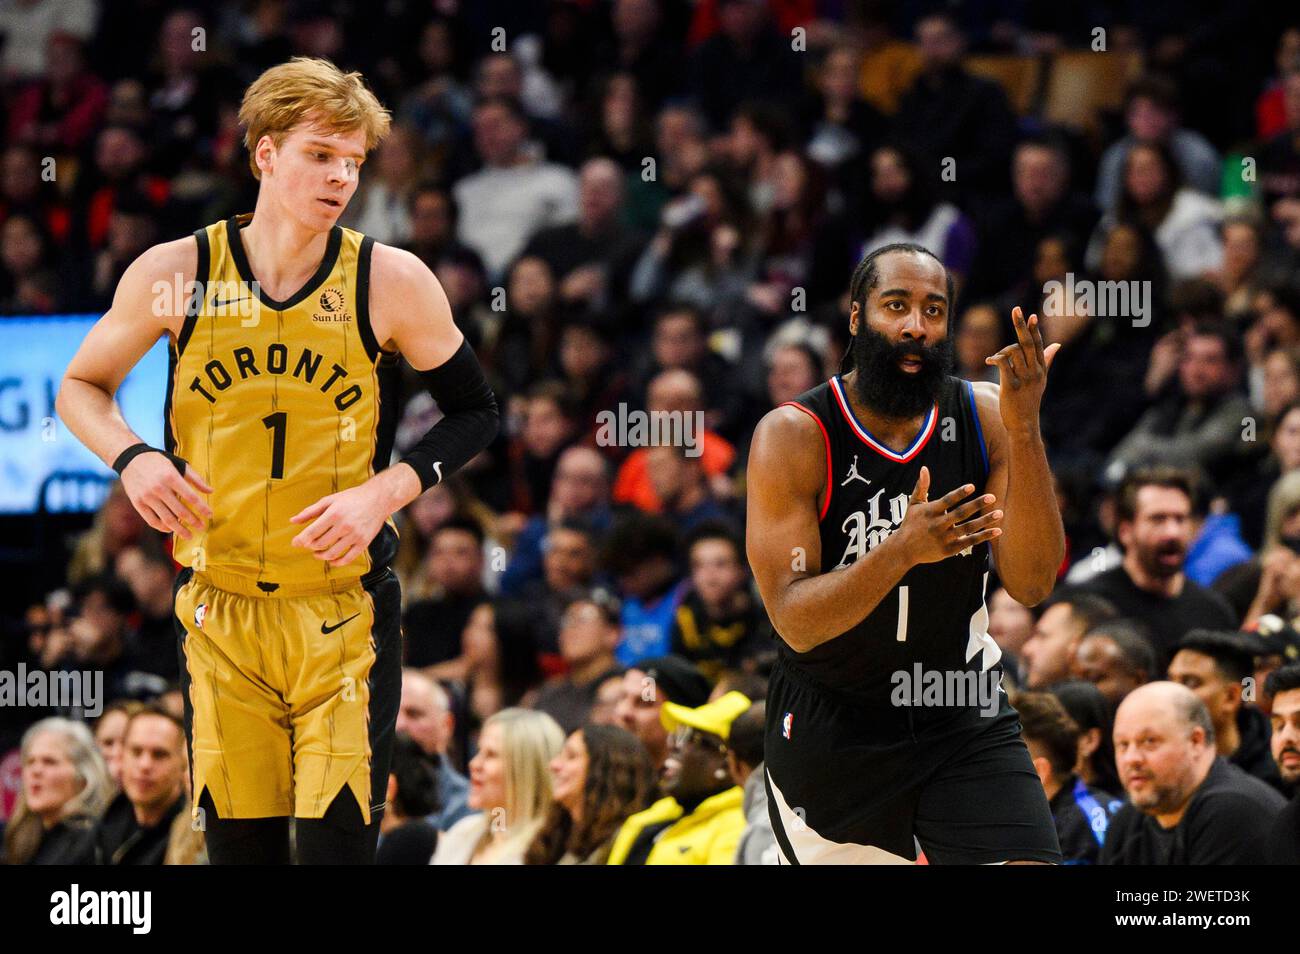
pixel 200 611
pixel 870 528
pixel 786 723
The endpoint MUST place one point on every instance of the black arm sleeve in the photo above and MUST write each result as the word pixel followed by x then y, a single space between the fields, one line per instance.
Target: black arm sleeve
pixel 469 422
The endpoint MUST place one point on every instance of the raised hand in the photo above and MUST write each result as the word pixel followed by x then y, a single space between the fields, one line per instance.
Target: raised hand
pixel 934 531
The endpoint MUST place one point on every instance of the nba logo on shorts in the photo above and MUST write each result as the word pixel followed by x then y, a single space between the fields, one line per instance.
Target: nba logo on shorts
pixel 199 612
pixel 786 723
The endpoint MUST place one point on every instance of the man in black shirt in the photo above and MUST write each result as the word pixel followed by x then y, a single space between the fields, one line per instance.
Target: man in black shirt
pixel 1155 527
pixel 1187 804
pixel 1282 842
pixel 136 826
pixel 1215 666
pixel 1082 813
pixel 433 627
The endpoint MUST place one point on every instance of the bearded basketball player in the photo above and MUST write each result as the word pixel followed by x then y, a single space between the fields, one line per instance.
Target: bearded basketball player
pixel 877 503
pixel 275 479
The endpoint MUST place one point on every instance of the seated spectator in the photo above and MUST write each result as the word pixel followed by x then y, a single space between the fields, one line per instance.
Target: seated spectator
pixel 1151 114
pixel 65 788
pixel 1154 510
pixel 1282 841
pixel 1187 805
pixel 1116 657
pixel 1011 624
pixel 1095 719
pixel 609 693
pixel 646 687
pixel 509 789
pixel 1082 813
pixel 640 554
pixel 589 631
pixel 979 334
pixel 60 112
pixel 102 638
pixel 406 834
pixel 110 727
pixel 136 827
pixel 1215 665
pixel 719 623
pixel 549 427
pixel 28 284
pixel 745 764
pixel 426 718
pixel 682 487
pixel 601 776
pixel 381 208
pixel 1067 617
pixel 433 626
pixel 700 819
pixel 150 574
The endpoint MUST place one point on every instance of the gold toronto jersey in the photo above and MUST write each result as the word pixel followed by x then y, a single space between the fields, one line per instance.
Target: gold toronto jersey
pixel 277 404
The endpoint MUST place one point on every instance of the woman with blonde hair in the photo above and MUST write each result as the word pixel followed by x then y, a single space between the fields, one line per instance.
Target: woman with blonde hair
pixel 509 786
pixel 65 789
pixel 1279 557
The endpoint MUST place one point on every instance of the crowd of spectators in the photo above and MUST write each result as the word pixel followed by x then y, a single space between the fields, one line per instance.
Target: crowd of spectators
pixel 656 205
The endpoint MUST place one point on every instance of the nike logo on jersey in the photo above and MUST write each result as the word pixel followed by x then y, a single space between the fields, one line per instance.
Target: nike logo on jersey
pixel 326 629
pixel 220 303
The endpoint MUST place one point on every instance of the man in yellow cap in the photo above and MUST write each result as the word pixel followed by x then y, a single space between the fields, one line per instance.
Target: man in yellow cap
pixel 700 820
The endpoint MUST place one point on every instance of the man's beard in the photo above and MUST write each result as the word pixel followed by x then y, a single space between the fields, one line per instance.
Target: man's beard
pixel 885 387
pixel 1150 562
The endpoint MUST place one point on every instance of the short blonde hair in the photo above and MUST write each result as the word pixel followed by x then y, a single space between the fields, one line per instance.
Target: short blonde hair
pixel 308 88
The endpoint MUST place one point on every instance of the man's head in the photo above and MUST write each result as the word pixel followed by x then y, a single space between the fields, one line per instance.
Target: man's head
pixel 1152 108
pixel 308 127
pixel 581 481
pixel 1164 747
pixel 499 131
pixel 1048 651
pixel 433 215
pixel 646 687
pixel 675 390
pixel 153 759
pixel 1011 623
pixel 569 555
pixel 149 573
pixel 1215 665
pixel 940 42
pixel 600 194
pixel 100 628
pixel 640 552
pixel 901 296
pixel 745 742
pixel 697 762
pixel 1155 510
pixel 425 713
pixel 549 419
pixel 1051 736
pixel 1116 657
pixel 679 339
pixel 456 556
pixel 1283 685
pixel 589 629
pixel 718 568
pixel 1211 361
pixel 1040 173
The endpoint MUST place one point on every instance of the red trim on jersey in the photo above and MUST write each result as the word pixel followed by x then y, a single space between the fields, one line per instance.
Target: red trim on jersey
pixel 827 438
pixel 918 443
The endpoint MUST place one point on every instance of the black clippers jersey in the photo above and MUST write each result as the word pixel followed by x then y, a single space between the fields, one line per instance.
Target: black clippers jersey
pixel 936 616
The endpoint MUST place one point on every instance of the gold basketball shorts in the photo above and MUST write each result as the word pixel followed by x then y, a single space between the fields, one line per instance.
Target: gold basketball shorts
pixel 288 698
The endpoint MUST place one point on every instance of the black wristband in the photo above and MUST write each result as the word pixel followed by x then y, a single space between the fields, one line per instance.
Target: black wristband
pixel 135 450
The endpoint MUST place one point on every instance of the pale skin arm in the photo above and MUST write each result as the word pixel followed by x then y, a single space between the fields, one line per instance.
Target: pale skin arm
pixel 410 314
pixel 1031 550
pixel 786 479
pixel 117 342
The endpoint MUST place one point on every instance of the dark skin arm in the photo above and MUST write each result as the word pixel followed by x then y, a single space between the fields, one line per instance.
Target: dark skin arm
pixel 1031 550
pixel 787 484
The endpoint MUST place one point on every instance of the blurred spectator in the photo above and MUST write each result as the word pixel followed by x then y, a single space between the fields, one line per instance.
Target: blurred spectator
pixel 641 556
pixel 150 574
pixel 645 690
pixel 549 426
pixel 509 788
pixel 116 527
pixel 1151 115
pixel 433 626
pixel 1186 805
pixel 103 640
pixel 27 28
pixel 432 237
pixel 515 195
pixel 569 567
pixel 1095 719
pixel 745 763
pixel 28 285
pixel 719 624
pixel 381 209
pixel 978 335
pixel 136 825
pixel 841 125
pixel 1062 623
pixel 1282 841
pixel 439 108
pixel 65 787
pixel 59 113
pixel 183 92
pixel 600 777
pixel 1116 657
pixel 1216 666
pixel 1011 624
pixel 701 818
pixel 425 717
pixel 1082 813
pixel 406 834
pixel 110 729
pixel 746 59
pixel 1155 510
pixel 950 114
pixel 588 635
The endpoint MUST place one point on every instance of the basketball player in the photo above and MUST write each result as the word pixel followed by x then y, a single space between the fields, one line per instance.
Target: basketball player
pixel 874 502
pixel 275 480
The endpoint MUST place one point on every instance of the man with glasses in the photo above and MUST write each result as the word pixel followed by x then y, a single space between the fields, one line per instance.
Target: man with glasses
pixel 701 818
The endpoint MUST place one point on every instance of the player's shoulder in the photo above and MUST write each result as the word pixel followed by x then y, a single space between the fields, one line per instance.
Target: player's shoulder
pixel 790 428
pixel 167 268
